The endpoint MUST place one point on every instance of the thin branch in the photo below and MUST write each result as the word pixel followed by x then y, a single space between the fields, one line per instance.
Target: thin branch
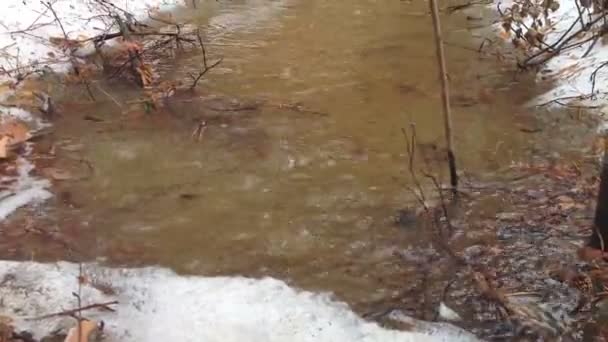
pixel 206 67
pixel 593 77
pixel 72 312
pixel 560 44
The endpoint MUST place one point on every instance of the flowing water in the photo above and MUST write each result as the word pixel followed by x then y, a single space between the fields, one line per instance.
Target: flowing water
pixel 302 165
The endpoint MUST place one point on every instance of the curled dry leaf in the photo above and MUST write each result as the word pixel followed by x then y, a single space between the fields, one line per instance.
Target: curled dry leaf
pixel 12 133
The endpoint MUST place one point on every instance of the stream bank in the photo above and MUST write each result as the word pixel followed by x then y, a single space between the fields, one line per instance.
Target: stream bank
pixel 302 168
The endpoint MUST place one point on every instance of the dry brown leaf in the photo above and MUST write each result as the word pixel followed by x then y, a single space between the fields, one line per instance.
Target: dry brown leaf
pixel 87 333
pixel 145 75
pixel 17 132
pixel 565 202
pixel 4 147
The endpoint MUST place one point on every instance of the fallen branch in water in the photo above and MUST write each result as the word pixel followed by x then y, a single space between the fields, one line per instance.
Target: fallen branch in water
pixel 454 8
pixel 206 67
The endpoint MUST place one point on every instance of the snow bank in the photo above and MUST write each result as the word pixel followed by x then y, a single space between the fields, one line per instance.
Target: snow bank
pixel 27 25
pixel 572 69
pixel 158 306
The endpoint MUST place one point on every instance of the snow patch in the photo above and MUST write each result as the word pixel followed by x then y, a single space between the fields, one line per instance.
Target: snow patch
pixel 572 70
pixel 23 189
pixel 27 25
pixel 156 305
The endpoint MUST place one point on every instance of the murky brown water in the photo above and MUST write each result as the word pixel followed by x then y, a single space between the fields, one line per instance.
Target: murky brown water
pixel 305 195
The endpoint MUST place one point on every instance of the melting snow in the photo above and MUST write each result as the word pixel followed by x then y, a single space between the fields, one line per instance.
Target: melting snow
pixel 157 305
pixel 571 70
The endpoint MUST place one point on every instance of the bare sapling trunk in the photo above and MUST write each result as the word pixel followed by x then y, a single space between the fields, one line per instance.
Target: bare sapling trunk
pixel 445 95
pixel 600 224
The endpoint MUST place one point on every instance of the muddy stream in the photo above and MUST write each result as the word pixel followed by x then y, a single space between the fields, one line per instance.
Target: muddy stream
pixel 301 168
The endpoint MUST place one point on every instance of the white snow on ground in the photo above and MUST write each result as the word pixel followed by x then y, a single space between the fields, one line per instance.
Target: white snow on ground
pixel 27 25
pixel 572 72
pixel 155 305
pixel 22 190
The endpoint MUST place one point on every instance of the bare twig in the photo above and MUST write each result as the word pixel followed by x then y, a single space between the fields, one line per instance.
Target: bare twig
pixel 206 67
pixel 49 6
pixel 108 95
pixel 72 312
pixel 79 298
pixel 411 144
pixel 560 44
pixel 593 77
pixel 454 8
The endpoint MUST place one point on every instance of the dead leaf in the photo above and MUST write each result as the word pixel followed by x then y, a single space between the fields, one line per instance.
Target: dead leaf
pixel 17 132
pixel 4 147
pixel 144 74
pixel 565 202
pixel 88 330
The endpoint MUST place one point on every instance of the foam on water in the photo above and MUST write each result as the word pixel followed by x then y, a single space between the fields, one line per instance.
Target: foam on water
pixel 157 305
